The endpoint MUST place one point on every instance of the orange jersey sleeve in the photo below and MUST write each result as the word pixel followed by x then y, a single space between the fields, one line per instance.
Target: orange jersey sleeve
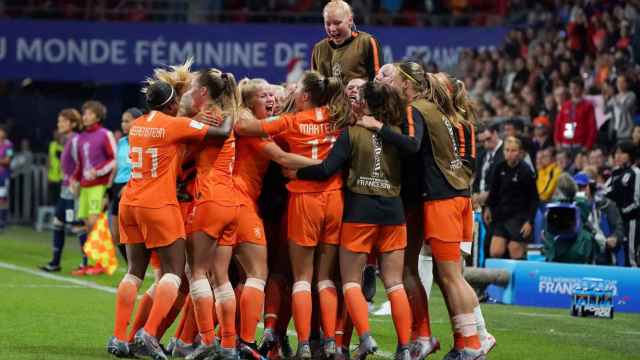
pixel 156 151
pixel 278 125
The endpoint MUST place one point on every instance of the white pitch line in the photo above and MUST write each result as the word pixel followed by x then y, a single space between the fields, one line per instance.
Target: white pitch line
pixel 83 283
pixel 91 285
pixel 41 286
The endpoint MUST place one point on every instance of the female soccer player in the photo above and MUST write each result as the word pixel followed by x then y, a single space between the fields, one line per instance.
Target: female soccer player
pixel 69 122
pixel 252 160
pixel 315 208
pixel 149 214
pixel 373 213
pixel 346 53
pixel 123 173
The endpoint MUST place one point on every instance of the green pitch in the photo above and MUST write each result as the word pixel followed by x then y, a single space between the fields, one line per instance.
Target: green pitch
pixel 50 318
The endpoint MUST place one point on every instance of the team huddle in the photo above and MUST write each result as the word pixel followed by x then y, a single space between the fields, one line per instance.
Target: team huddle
pixel 377 162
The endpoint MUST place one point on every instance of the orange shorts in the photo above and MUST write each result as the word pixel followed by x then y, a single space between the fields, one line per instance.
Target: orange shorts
pixel 218 221
pixel 152 227
pixel 186 208
pixel 154 260
pixel 314 218
pixel 448 222
pixel 250 226
pixel 362 238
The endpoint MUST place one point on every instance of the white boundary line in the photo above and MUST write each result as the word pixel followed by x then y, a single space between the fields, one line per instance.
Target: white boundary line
pixel 83 283
pixel 92 285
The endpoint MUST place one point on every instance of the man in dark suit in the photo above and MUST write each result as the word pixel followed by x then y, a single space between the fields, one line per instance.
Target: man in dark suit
pixel 491 154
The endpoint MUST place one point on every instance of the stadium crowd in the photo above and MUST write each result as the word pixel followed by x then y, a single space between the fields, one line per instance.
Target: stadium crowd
pixel 555 119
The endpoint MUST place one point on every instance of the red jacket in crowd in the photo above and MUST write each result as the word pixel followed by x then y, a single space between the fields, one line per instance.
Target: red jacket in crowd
pixel 576 124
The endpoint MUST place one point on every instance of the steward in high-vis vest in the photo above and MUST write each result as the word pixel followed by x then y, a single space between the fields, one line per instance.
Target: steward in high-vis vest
pixel 373 214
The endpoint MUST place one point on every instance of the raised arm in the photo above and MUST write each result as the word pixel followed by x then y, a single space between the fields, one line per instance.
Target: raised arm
pixel 286 159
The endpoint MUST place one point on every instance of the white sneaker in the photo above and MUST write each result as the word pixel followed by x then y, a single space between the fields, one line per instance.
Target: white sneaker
pixel 423 347
pixel 487 343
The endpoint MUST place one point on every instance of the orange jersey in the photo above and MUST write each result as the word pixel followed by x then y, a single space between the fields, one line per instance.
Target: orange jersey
pixel 214 179
pixel 251 167
pixel 308 133
pixel 156 151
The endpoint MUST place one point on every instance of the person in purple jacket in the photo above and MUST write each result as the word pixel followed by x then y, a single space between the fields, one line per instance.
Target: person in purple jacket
pixel 94 150
pixel 69 123
pixel 6 153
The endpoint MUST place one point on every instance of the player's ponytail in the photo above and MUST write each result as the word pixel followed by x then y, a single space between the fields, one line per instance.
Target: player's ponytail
pixel 463 102
pixel 222 88
pixel 328 91
pixel 385 103
pixel 437 92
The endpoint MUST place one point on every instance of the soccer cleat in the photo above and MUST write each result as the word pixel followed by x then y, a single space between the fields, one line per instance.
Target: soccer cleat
pixel 423 347
pixel 488 342
pixel 227 354
pixel 118 348
pixel 304 351
pixel 286 351
pixel 471 354
pixel 203 351
pixel 342 354
pixel 80 270
pixel 402 353
pixel 367 346
pixel 453 354
pixel 249 351
pixel 50 268
pixel 181 349
pixel 95 270
pixel 329 348
pixel 269 340
pixel 171 345
pixel 150 344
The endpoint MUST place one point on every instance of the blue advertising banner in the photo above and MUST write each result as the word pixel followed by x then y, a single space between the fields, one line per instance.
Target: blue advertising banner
pixel 547 284
pixel 127 52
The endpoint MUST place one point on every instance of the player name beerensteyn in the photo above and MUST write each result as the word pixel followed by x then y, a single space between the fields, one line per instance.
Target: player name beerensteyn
pixel 149 132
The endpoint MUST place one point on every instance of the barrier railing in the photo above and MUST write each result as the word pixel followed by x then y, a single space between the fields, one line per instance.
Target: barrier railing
pixel 28 191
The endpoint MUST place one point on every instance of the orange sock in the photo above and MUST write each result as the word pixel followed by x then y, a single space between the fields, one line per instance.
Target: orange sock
pixel 183 318
pixel 173 314
pixel 301 309
pixel 202 304
pixel 142 312
pixel 166 294
pixel 401 313
pixel 273 300
pixel 190 329
pixel 458 340
pixel 226 310
pixel 125 300
pixel 357 306
pixel 251 304
pixel 421 326
pixel 328 299
pixel 466 325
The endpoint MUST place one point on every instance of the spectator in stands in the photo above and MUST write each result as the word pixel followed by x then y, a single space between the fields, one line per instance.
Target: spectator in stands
pixel 635 136
pixel 548 173
pixel 624 104
pixel 623 187
pixel 604 221
pixel 541 134
pixel 123 173
pixel 492 153
pixel 94 150
pixel 6 154
pixel 54 170
pixel 563 159
pixel 575 127
pixel 597 158
pixel 512 204
pixel 23 159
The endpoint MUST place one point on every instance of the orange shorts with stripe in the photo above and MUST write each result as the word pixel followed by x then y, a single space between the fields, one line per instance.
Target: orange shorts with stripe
pixel 314 218
pixel 153 227
pixel 363 238
pixel 250 226
pixel 447 223
pixel 218 221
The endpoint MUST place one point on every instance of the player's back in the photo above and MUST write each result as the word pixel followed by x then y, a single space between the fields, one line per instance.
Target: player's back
pixel 308 133
pixel 155 151
pixel 214 179
pixel 251 166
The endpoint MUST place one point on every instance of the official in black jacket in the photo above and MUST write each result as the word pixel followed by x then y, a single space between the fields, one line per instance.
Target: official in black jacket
pixel 512 203
pixel 623 187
